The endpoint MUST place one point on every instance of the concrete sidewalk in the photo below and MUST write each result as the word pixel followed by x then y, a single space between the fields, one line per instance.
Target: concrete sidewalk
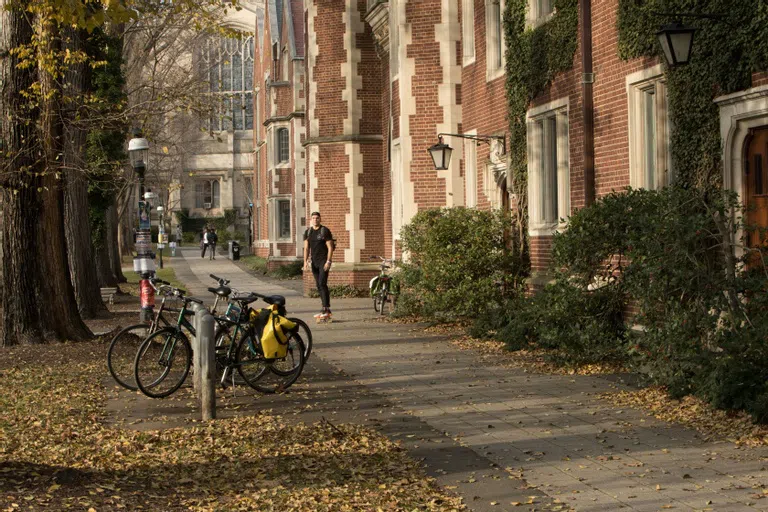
pixel 551 431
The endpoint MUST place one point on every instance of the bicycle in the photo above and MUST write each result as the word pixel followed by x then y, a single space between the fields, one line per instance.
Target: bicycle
pixel 248 357
pixel 382 287
pixel 304 330
pixel 121 353
pixel 165 356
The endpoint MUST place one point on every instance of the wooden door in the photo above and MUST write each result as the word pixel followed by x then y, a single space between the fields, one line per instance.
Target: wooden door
pixel 756 186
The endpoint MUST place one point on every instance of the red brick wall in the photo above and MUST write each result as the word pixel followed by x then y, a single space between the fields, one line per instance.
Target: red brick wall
pixel 483 103
pixel 429 190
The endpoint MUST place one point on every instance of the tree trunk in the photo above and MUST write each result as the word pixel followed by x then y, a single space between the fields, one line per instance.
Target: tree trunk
pixel 35 266
pixel 77 227
pixel 107 257
pixel 112 244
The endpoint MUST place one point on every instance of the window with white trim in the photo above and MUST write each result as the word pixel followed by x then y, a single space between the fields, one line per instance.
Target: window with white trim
pixel 548 166
pixel 207 194
pixel 470 171
pixel 282 146
pixel 539 11
pixel 468 31
pixel 228 65
pixel 649 156
pixel 494 38
pixel 283 219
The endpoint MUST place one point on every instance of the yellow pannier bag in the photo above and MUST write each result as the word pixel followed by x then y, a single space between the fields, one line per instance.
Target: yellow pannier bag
pixel 274 334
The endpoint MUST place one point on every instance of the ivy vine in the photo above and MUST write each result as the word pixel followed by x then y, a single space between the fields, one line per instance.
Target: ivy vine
pixel 533 58
pixel 725 54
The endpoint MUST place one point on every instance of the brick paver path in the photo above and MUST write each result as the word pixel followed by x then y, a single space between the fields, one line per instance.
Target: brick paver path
pixel 553 430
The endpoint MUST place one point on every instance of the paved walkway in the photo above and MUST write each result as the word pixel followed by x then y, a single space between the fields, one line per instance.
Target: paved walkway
pixel 550 432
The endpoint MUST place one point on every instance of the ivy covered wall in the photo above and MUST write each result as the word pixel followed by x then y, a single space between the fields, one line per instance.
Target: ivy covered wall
pixel 725 54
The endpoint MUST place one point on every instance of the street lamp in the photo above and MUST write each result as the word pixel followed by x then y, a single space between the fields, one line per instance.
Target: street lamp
pixel 676 39
pixel 138 150
pixel 676 42
pixel 441 152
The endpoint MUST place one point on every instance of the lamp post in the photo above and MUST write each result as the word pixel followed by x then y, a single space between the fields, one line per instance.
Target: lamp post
pixel 138 150
pixel 441 152
pixel 250 227
pixel 161 234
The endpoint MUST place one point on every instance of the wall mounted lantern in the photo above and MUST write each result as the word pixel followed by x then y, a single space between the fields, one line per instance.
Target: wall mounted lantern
pixel 441 152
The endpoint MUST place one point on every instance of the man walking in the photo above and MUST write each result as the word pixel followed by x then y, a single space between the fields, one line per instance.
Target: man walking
pixel 212 239
pixel 204 242
pixel 318 255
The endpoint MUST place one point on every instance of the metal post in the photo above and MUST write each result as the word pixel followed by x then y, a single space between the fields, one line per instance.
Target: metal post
pixel 196 349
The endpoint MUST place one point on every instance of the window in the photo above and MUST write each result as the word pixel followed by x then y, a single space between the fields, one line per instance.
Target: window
pixel 494 38
pixel 539 11
pixel 228 65
pixel 282 146
pixel 470 171
pixel 284 218
pixel 207 192
pixel 468 30
pixel 248 191
pixel 548 163
pixel 649 162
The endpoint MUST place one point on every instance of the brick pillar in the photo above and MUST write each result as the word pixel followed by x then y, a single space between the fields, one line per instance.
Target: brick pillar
pixel 344 141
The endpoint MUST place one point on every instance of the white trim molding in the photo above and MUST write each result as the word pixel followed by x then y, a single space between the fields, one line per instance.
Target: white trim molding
pixel 739 113
pixel 644 86
pixel 549 197
pixel 494 40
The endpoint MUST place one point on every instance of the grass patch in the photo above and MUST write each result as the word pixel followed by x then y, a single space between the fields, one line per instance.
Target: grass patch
pixel 166 274
pixel 57 453
pixel 256 263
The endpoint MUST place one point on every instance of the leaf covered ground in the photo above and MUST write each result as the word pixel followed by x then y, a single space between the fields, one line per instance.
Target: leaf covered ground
pixel 711 423
pixel 57 453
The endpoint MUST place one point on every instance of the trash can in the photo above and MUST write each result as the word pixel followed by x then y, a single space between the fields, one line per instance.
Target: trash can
pixel 234 250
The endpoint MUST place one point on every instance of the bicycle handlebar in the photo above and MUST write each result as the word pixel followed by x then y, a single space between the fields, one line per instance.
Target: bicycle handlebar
pixel 221 280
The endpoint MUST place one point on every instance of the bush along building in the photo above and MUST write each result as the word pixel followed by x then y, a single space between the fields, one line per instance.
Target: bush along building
pixel 570 100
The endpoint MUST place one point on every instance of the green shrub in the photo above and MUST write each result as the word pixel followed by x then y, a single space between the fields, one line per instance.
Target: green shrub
pixel 256 263
pixel 458 263
pixel 290 271
pixel 189 238
pixel 342 291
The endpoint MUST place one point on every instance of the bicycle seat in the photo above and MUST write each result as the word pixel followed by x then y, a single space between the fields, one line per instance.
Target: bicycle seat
pixel 245 299
pixel 275 299
pixel 221 291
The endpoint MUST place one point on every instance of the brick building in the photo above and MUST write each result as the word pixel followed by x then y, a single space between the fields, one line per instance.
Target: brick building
pixel 383 78
pixel 279 131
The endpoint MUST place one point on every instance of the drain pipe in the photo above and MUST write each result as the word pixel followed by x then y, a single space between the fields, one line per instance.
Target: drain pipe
pixel 587 101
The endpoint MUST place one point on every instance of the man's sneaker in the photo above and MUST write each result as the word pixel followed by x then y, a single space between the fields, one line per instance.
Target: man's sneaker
pixel 325 316
pixel 319 315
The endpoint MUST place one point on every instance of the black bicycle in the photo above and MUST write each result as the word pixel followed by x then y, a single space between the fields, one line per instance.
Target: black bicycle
pixel 121 354
pixel 164 358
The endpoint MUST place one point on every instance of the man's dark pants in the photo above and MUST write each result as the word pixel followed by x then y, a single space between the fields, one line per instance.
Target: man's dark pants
pixel 321 278
pixel 202 254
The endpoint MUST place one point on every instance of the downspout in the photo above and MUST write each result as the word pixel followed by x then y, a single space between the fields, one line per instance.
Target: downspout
pixel 587 103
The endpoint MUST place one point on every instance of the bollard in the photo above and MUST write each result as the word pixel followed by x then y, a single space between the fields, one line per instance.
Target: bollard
pixel 204 360
pixel 196 352
pixel 207 349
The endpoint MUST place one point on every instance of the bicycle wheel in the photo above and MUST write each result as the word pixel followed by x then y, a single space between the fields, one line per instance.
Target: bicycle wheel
pixel 383 297
pixel 121 354
pixel 250 361
pixel 306 336
pixel 282 373
pixel 162 363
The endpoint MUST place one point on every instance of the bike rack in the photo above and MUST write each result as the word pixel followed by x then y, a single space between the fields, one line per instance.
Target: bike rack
pixel 204 360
